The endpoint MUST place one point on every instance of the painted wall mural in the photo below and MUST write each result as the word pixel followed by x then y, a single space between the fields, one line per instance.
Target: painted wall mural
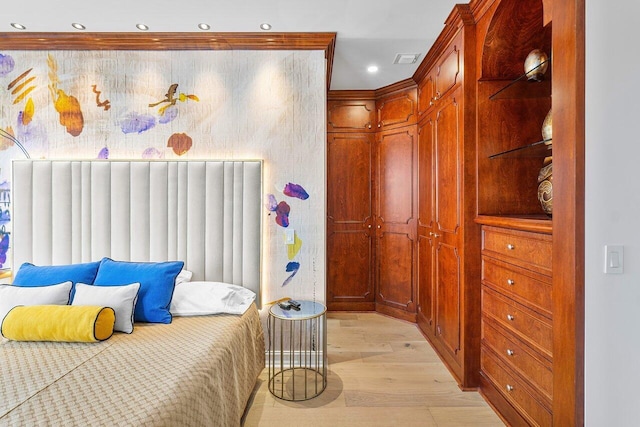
pixel 267 105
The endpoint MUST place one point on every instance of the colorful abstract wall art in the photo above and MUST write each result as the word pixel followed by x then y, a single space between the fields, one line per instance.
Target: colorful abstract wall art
pixel 110 104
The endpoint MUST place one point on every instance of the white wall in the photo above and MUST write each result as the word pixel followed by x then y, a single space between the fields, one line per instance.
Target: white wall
pixel 612 359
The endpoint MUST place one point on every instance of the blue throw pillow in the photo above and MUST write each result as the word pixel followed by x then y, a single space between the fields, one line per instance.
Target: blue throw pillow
pixel 157 281
pixel 45 275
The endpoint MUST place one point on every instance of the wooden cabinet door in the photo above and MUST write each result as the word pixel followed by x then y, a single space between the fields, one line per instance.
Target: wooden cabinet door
pixel 448 69
pixel 395 223
pixel 350 221
pixel 425 279
pixel 448 265
pixel 351 115
pixel 426 94
pixel 397 109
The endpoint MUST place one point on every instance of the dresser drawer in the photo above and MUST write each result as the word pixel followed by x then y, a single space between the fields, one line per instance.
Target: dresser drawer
pixel 518 394
pixel 520 247
pixel 520 358
pixel 525 286
pixel 523 323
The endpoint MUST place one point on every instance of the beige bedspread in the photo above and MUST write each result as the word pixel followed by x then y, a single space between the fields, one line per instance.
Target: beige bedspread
pixel 197 371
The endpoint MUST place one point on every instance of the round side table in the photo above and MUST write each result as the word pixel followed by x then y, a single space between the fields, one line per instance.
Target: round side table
pixel 297 356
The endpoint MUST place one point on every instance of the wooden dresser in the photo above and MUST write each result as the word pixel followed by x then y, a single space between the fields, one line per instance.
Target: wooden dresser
pixel 517 336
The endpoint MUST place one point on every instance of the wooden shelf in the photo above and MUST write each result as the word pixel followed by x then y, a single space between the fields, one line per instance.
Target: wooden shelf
pixel 522 87
pixel 539 149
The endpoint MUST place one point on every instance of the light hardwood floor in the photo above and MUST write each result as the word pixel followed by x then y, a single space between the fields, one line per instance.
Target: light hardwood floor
pixel 382 372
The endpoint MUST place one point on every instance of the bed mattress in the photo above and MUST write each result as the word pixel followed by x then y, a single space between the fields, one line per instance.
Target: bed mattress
pixel 196 371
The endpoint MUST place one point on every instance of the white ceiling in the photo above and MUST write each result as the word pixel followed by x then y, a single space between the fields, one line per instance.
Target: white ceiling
pixel 369 32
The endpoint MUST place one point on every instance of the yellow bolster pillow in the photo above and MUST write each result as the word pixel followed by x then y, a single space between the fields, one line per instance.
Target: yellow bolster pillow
pixel 69 323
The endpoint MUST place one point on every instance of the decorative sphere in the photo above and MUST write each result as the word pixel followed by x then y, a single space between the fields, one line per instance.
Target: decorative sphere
pixel 536 65
pixel 547 127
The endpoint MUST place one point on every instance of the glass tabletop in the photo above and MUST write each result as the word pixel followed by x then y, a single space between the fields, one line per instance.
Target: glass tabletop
pixel 308 310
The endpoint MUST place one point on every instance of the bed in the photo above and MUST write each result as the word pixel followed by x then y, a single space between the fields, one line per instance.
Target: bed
pixel 195 371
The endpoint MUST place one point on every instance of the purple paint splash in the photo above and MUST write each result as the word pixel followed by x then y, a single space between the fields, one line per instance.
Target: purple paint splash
pixel 292 267
pixel 152 153
pixel 295 190
pixel 282 214
pixel 6 64
pixel 134 122
pixel 103 154
pixel 271 204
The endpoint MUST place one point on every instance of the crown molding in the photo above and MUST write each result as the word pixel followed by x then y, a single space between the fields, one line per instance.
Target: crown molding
pixel 174 41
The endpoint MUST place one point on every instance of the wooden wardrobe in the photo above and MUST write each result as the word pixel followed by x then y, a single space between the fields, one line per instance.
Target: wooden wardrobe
pixel 433 214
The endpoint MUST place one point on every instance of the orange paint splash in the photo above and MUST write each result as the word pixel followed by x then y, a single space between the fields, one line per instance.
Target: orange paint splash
pixel 70 113
pixel 29 111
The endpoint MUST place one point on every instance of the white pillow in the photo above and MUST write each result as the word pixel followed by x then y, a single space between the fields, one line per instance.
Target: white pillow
pixel 121 298
pixel 184 276
pixel 200 298
pixel 12 296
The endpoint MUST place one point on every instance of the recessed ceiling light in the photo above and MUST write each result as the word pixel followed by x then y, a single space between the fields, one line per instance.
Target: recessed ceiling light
pixel 142 27
pixel 265 26
pixel 204 27
pixel 372 68
pixel 18 26
pixel 78 26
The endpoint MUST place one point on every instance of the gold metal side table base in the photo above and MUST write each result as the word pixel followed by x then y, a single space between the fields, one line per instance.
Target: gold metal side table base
pixel 297 354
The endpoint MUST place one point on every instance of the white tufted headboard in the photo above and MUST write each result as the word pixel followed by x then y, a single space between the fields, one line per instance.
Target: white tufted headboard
pixel 205 213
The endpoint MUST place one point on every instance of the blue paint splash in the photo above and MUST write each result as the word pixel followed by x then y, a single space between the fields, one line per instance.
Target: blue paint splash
pixel 295 190
pixel 292 267
pixel 134 122
pixel 168 115
pixel 6 64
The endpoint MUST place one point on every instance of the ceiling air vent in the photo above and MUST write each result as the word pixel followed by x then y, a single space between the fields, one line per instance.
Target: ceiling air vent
pixel 406 58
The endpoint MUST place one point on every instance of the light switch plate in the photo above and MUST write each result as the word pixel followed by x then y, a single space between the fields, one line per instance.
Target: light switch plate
pixel 613 259
pixel 289 236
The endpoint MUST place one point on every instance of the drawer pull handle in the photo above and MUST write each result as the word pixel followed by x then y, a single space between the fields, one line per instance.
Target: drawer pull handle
pixel 510 352
pixel 510 247
pixel 509 388
pixel 510 317
pixel 510 282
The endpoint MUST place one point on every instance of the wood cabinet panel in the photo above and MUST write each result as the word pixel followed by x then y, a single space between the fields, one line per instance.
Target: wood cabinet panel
pixel 426 95
pixel 349 264
pixel 529 250
pixel 350 250
pixel 448 288
pixel 529 365
pixel 395 172
pixel 395 267
pixel 396 110
pixel 524 286
pixel 351 116
pixel 447 152
pixel 526 325
pixel 425 282
pixel 448 70
pixel 349 178
pixel 515 391
pixel 425 220
pixel 395 222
